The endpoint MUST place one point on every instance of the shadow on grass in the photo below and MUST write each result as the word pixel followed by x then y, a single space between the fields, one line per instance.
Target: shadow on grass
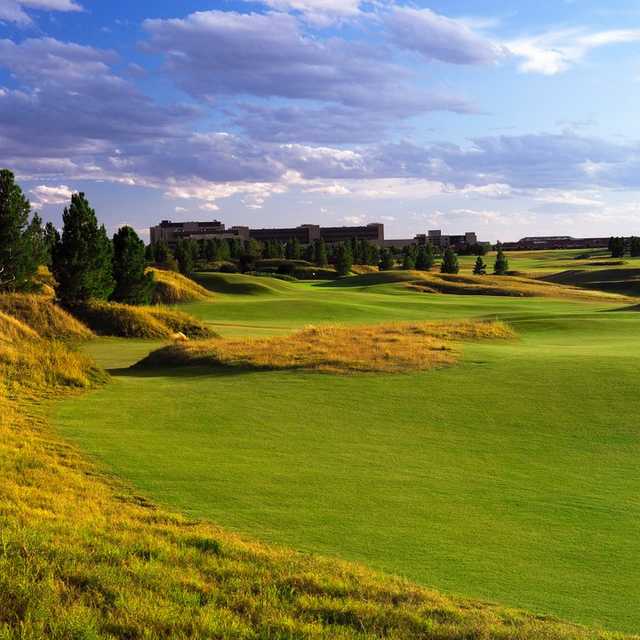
pixel 196 371
pixel 621 281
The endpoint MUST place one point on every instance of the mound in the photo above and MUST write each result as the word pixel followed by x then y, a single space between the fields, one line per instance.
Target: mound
pixel 611 281
pixel 240 284
pixel 12 330
pixel 112 319
pixel 31 363
pixel 390 348
pixel 46 318
pixel 173 288
pixel 460 284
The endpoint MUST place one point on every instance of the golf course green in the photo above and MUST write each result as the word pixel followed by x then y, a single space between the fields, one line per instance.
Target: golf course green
pixel 511 476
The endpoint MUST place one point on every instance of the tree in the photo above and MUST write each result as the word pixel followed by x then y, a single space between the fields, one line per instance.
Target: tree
pixel 344 259
pixel 52 238
pixel 163 256
pixel 480 268
pixel 133 285
pixel 386 261
pixel 82 261
pixel 449 262
pixel 17 262
pixel 40 253
pixel 617 247
pixel 320 253
pixel 293 250
pixel 184 255
pixel 501 265
pixel 424 257
pixel 408 263
pixel 634 247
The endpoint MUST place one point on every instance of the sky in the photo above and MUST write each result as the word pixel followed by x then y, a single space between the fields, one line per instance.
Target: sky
pixel 509 119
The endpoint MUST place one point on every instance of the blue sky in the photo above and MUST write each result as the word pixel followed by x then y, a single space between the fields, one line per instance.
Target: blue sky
pixel 509 119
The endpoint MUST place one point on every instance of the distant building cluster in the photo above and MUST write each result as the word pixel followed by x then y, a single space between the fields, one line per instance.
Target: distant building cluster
pixel 170 232
pixel 555 242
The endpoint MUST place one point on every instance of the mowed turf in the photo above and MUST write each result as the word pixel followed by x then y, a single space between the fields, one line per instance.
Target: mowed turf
pixel 511 476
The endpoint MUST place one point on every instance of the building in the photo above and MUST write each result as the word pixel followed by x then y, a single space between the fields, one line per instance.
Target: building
pixel 171 232
pixel 555 242
pixel 437 239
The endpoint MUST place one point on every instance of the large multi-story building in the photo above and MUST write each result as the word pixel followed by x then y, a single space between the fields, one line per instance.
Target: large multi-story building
pixel 171 232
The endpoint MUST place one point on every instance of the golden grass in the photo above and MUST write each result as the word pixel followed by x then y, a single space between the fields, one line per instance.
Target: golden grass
pixel 46 318
pixel 515 286
pixel 113 319
pixel 174 288
pixel 81 557
pixel 29 362
pixel 389 348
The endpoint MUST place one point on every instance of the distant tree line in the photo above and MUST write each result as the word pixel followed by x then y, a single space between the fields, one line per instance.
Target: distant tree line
pixel 618 247
pixel 87 263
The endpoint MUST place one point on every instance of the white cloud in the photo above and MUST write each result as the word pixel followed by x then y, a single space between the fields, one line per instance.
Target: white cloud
pixel 437 37
pixel 14 10
pixel 52 195
pixel 359 219
pixel 321 12
pixel 556 51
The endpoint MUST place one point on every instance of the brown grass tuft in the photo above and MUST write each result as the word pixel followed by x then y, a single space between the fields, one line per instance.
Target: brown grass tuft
pixel 388 348
pixel 174 288
pixel 514 286
pixel 126 321
pixel 45 317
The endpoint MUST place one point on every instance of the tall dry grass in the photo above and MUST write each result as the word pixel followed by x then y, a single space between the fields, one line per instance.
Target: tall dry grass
pixel 386 348
pixel 31 363
pixel 45 317
pixel 113 319
pixel 174 288
pixel 514 286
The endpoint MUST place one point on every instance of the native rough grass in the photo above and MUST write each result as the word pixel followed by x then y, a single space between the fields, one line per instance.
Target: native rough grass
pixel 81 557
pixel 385 348
pixel 174 288
pixel 114 319
pixel 30 362
pixel 45 317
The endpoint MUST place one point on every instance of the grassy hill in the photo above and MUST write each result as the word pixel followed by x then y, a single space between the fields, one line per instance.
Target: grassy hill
pixel 509 477
pixel 84 556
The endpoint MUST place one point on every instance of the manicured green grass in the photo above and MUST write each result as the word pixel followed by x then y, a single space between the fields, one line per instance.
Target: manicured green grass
pixel 512 476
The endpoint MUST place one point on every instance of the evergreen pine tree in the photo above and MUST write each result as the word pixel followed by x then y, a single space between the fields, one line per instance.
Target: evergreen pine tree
pixel 501 265
pixel 52 238
pixel 386 261
pixel 40 254
pixel 344 259
pixel 408 263
pixel 133 285
pixel 449 262
pixel 424 257
pixel 480 268
pixel 184 257
pixel 82 261
pixel 320 253
pixel 17 263
pixel 634 247
pixel 617 246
